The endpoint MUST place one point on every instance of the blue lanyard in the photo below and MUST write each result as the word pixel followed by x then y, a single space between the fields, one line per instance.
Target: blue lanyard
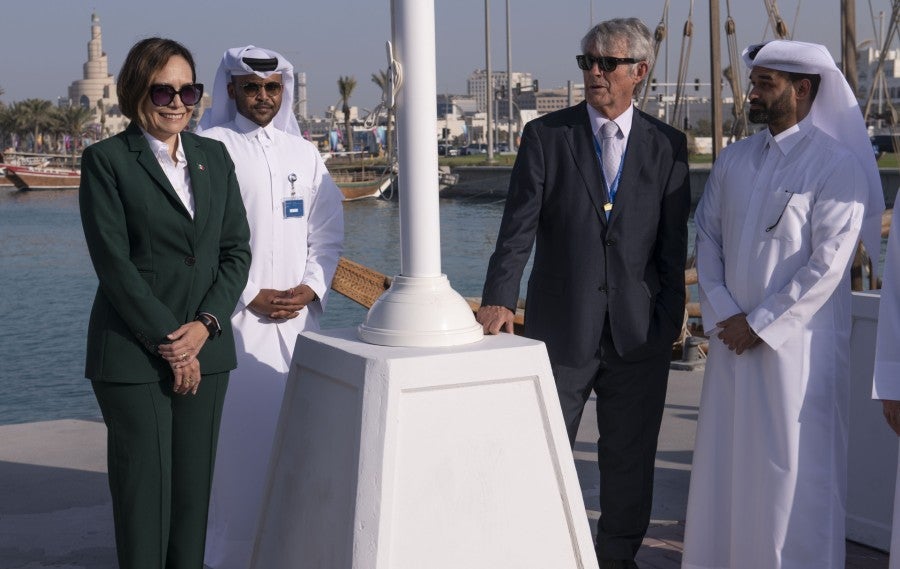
pixel 614 186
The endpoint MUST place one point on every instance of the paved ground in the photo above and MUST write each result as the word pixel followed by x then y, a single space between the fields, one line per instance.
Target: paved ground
pixel 55 509
pixel 665 539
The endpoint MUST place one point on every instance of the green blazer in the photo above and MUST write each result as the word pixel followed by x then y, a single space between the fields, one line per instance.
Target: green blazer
pixel 157 267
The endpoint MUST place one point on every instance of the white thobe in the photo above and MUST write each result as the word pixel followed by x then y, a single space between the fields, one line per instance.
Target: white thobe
pixel 886 384
pixel 287 252
pixel 777 226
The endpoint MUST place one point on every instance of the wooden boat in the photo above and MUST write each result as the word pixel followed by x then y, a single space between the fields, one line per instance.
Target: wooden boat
pixel 362 182
pixel 42 178
pixel 358 183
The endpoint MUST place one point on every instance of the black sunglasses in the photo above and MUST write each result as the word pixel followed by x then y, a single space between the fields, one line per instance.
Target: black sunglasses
pixel 163 95
pixel 252 89
pixel 604 62
pixel 753 50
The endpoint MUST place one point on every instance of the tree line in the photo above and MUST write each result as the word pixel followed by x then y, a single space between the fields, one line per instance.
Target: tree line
pixel 37 125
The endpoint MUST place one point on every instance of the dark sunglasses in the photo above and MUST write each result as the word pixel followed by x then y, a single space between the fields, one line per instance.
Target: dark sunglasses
pixel 605 63
pixel 753 50
pixel 252 89
pixel 163 95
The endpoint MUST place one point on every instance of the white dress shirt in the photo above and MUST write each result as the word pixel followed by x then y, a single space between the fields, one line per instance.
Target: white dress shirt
pixel 177 171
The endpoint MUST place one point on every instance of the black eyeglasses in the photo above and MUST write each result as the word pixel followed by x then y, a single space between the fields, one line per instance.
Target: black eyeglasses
pixel 163 95
pixel 252 89
pixel 604 62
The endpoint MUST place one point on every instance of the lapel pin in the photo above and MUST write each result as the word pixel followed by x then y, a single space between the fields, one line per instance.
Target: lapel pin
pixel 201 167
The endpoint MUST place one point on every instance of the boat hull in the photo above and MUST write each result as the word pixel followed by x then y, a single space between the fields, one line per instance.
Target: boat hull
pixel 360 184
pixel 35 179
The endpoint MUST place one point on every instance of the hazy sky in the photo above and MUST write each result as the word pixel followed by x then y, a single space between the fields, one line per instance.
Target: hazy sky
pixel 44 42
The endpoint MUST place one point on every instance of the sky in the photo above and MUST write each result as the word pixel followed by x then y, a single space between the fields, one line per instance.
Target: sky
pixel 44 42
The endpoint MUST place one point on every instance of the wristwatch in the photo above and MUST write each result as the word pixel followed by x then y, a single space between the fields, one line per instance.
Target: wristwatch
pixel 211 325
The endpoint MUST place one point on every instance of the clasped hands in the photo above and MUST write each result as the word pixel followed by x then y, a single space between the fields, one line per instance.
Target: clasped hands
pixel 282 304
pixel 737 334
pixel 181 353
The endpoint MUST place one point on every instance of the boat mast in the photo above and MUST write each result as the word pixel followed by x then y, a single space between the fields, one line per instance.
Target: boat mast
pixel 715 74
pixel 848 43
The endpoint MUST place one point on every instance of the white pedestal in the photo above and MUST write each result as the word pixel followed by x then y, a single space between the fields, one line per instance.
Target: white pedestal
pixel 407 458
pixel 872 455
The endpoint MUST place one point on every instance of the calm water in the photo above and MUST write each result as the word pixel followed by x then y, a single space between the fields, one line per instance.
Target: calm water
pixel 48 286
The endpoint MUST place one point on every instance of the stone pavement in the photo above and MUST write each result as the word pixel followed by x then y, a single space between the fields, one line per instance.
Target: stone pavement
pixel 665 539
pixel 55 509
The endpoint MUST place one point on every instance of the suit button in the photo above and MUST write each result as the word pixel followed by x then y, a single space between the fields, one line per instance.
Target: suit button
pixel 610 242
pixel 603 288
pixel 189 261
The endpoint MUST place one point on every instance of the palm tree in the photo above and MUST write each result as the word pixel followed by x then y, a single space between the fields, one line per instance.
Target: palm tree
pixel 7 125
pixel 72 121
pixel 15 123
pixel 346 85
pixel 382 79
pixel 36 114
pixel 102 109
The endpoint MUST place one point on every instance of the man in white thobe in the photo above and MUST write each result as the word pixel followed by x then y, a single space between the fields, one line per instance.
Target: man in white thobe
pixel 297 231
pixel 777 227
pixel 886 385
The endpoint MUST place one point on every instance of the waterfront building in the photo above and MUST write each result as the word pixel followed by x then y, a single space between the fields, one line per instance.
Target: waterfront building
pixel 96 90
pixel 478 88
pixel 867 64
pixel 97 83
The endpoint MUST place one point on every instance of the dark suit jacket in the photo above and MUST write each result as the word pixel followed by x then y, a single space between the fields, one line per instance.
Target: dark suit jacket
pixel 157 267
pixel 630 268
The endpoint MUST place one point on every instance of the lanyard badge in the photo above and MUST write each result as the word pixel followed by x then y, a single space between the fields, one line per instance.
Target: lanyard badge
pixel 292 206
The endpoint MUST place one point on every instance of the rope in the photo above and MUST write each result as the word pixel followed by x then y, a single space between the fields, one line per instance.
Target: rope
pixel 879 68
pixel 388 99
pixel 779 28
pixel 658 37
pixel 739 126
pixel 678 111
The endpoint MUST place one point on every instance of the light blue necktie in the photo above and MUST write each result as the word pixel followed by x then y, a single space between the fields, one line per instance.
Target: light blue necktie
pixel 612 158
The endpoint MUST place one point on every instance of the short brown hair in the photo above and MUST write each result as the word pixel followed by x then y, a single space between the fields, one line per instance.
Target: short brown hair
pixel 144 60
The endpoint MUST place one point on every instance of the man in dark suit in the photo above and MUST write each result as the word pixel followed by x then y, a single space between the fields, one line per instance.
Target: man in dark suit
pixel 606 207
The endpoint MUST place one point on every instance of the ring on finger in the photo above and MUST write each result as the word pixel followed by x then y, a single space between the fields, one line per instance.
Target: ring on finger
pixel 184 356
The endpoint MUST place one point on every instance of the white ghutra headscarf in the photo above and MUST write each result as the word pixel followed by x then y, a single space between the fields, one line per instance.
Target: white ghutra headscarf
pixel 257 61
pixel 835 111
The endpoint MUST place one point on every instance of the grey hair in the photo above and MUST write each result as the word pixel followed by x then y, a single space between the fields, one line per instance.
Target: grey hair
pixel 606 36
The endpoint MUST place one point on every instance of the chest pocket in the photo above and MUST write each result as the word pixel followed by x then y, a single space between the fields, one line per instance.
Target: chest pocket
pixel 787 216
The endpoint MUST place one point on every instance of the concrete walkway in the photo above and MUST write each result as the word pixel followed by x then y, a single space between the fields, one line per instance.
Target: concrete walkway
pixel 55 509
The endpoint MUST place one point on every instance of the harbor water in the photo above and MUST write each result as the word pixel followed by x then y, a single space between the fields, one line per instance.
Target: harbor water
pixel 48 285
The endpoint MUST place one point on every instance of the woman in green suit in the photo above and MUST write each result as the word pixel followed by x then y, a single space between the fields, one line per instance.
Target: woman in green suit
pixel 168 238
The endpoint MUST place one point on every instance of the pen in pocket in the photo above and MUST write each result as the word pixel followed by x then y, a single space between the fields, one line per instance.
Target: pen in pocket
pixel 783 209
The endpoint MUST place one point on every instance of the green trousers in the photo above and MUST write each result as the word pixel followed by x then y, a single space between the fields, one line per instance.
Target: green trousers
pixel 161 449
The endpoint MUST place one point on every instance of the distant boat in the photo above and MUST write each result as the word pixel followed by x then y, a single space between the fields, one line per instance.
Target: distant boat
pixel 42 178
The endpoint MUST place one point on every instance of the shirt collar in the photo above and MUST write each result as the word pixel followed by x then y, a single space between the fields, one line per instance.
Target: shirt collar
pixel 250 129
pixel 787 139
pixel 161 149
pixel 623 120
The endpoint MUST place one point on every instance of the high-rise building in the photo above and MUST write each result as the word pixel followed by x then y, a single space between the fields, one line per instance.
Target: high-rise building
pixel 477 85
pixel 300 107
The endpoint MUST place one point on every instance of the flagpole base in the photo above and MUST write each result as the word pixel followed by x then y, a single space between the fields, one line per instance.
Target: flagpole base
pixel 420 312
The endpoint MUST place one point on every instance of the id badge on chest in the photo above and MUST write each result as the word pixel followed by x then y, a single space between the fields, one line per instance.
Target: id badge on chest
pixel 292 207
